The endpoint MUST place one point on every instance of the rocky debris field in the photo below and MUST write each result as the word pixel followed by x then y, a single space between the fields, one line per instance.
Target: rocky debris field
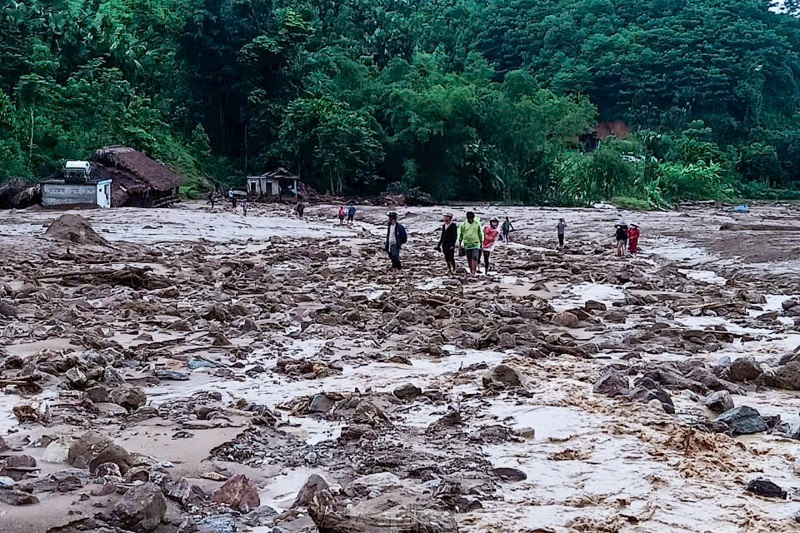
pixel 189 370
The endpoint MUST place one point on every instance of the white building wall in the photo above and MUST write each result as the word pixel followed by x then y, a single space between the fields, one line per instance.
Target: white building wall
pixel 54 194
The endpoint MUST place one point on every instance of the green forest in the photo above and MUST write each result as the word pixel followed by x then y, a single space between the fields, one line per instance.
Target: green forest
pixel 463 99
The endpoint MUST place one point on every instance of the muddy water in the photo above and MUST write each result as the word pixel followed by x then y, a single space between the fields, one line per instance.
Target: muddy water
pixel 593 464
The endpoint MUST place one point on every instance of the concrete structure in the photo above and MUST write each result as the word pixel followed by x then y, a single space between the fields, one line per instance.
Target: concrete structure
pixel 59 192
pixel 272 184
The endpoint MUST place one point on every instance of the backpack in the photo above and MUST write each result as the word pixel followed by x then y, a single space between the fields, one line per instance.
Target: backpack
pixel 402 236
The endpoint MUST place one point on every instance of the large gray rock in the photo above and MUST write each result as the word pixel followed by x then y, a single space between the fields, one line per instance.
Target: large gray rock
pixel 612 383
pixel 647 390
pixel 786 376
pixel 744 369
pixel 566 319
pixel 719 401
pixel 503 376
pixel 86 448
pixel 129 397
pixel 141 509
pixel 743 420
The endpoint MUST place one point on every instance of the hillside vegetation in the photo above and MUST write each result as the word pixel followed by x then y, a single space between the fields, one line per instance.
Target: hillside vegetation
pixel 463 99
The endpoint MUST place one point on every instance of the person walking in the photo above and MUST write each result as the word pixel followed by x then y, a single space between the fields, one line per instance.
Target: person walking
pixel 491 233
pixel 447 242
pixel 470 238
pixel 231 199
pixel 244 207
pixel 396 237
pixel 299 208
pixel 212 198
pixel 621 235
pixel 560 227
pixel 351 214
pixel 507 228
pixel 341 215
pixel 633 239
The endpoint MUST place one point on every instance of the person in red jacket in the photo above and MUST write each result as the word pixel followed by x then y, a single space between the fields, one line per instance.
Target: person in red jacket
pixel 490 237
pixel 633 239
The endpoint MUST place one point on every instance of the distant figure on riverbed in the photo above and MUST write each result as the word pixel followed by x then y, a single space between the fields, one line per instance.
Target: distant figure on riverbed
pixel 212 198
pixel 351 214
pixel 621 235
pixel 341 215
pixel 447 242
pixel 396 237
pixel 633 239
pixel 560 228
pixel 490 237
pixel 244 207
pixel 506 229
pixel 299 208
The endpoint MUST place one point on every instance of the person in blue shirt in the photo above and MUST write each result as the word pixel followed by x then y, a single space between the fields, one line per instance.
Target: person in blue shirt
pixel 351 214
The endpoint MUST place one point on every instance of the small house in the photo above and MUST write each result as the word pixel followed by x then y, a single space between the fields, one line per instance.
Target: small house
pixel 78 187
pixel 137 180
pixel 275 183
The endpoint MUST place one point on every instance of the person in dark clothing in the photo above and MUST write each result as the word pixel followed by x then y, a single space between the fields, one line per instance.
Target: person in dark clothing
pixel 447 242
pixel 351 213
pixel 506 229
pixel 212 198
pixel 396 237
pixel 560 228
pixel 621 235
pixel 299 210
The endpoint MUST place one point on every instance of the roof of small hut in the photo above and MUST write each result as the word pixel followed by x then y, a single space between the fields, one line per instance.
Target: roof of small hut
pixel 135 171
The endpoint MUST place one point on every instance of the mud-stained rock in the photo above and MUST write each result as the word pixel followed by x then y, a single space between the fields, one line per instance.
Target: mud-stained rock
pixel 502 377
pixel 7 309
pixel 612 383
pixel 407 392
pixel 646 390
pixel 239 493
pixel 765 488
pixel 786 377
pixel 17 497
pixel 743 420
pixel 321 403
pixel 565 319
pixel 744 369
pixel 719 401
pixel 141 509
pixel 373 485
pixel 311 487
pixel 75 229
pixel 510 474
pixel 129 397
pixel 86 448
pixel 593 305
pixel 113 454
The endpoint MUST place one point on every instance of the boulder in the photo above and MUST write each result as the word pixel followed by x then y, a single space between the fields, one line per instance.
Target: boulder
pixel 112 454
pixel 744 369
pixel 312 486
pixel 743 420
pixel 787 376
pixel 766 488
pixel 593 305
pixel 506 341
pixel 98 394
pixel 141 509
pixel 373 484
pixel 321 403
pixel 17 497
pixel 407 392
pixel 86 448
pixel 240 493
pixel 129 397
pixel 8 310
pixel 646 390
pixel 76 378
pixel 510 474
pixel 565 319
pixel 719 401
pixel 503 376
pixel 612 383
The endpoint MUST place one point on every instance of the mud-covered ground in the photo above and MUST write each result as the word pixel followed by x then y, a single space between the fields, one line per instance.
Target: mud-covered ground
pixel 187 370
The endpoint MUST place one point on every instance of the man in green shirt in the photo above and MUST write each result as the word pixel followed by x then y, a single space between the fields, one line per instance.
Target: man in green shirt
pixel 470 237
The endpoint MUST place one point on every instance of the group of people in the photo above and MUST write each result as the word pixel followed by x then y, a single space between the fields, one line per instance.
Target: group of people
pixel 476 241
pixel 627 238
pixel 212 199
pixel 350 213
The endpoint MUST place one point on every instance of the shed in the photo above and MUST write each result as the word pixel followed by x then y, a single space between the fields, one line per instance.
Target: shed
pixel 137 180
pixel 272 184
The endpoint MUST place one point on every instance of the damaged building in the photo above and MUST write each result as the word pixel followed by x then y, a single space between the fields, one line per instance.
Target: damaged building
pixel 137 180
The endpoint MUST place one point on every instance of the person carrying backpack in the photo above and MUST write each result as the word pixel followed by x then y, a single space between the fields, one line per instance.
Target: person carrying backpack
pixel 396 237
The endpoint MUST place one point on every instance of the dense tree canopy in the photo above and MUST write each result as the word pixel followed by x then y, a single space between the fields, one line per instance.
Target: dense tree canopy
pixel 463 99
